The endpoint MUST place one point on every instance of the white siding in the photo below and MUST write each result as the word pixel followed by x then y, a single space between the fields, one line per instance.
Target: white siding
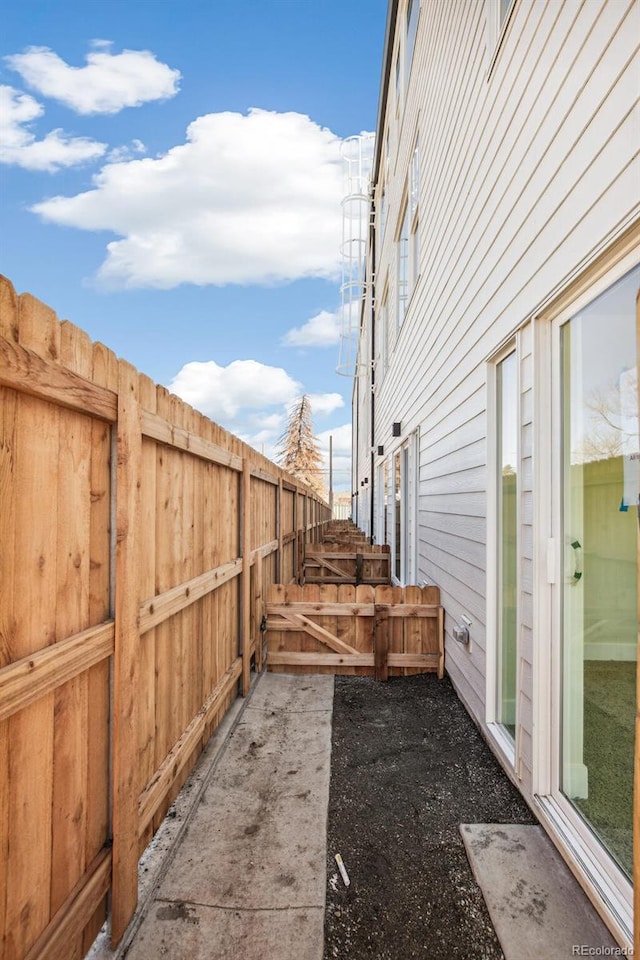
pixel 526 172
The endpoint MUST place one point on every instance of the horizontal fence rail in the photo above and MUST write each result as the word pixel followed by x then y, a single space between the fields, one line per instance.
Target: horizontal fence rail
pixel 138 540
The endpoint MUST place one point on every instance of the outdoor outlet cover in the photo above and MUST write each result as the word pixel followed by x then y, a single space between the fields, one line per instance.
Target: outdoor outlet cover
pixel 461 634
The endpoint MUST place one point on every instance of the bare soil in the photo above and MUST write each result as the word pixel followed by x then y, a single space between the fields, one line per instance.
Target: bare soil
pixel 408 767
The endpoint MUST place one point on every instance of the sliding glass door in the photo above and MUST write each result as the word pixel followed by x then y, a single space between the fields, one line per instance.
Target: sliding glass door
pixel 599 533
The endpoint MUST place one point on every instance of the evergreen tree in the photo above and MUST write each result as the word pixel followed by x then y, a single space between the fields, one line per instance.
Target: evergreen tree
pixel 298 451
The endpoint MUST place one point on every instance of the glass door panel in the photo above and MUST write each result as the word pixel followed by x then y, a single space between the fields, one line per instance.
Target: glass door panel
pixel 507 406
pixel 397 517
pixel 599 592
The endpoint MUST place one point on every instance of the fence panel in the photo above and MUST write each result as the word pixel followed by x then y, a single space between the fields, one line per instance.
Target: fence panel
pixel 54 586
pixel 122 554
pixel 375 631
pixel 342 563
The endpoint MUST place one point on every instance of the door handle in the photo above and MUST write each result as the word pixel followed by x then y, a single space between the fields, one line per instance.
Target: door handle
pixel 577 561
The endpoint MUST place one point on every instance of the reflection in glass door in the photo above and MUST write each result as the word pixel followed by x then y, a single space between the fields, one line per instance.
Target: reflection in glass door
pixel 600 487
pixel 507 540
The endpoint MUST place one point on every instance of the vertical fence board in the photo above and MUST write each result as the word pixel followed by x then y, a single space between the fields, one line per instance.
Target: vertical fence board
pixel 8 452
pixel 33 604
pixel 147 681
pixel 162 742
pixel 346 627
pixel 197 643
pixel 125 666
pixel 104 373
pixel 8 408
pixel 72 615
pixel 245 507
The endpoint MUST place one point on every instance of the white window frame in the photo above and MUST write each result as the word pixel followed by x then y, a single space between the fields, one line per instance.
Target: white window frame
pixel 382 335
pixel 382 512
pixel 509 748
pixel 411 18
pixel 409 494
pixel 414 216
pixel 598 873
pixel 403 279
pixel 383 210
pixel 497 19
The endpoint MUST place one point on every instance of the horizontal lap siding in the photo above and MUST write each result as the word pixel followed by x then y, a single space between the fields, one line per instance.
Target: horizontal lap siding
pixel 524 174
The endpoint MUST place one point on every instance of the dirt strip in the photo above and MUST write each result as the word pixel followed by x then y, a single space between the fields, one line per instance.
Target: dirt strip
pixel 408 767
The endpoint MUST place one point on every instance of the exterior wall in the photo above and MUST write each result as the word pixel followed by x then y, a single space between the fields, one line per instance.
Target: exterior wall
pixel 527 172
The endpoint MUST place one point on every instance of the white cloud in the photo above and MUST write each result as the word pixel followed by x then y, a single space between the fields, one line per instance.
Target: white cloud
pixel 247 199
pixel 222 392
pixel 323 330
pixel 341 440
pixel 322 404
pixel 126 152
pixel 108 83
pixel 341 454
pixel 19 146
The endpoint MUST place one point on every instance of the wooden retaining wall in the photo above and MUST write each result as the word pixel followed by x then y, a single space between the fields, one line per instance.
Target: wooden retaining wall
pixel 375 631
pixel 137 539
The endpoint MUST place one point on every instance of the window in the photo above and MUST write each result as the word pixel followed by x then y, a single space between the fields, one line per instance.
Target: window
pixel 507 540
pixel 408 248
pixel 382 322
pixel 504 9
pixel 414 193
pixel 399 474
pixel 387 151
pixel 383 503
pixel 413 9
pixel 404 513
pixel 383 217
pixel 497 14
pixel 402 283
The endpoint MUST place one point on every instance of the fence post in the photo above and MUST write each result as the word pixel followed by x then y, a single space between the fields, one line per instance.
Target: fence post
pixel 259 613
pixel 279 533
pixel 381 641
pixel 125 660
pixel 440 642
pixel 246 576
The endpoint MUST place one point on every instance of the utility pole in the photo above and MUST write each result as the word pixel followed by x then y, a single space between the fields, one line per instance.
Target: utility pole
pixel 331 475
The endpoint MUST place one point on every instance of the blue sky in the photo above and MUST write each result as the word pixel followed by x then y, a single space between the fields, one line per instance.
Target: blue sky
pixel 170 181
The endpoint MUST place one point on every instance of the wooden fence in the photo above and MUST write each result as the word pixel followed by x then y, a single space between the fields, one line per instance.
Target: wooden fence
pixel 378 631
pixel 137 539
pixel 343 531
pixel 352 563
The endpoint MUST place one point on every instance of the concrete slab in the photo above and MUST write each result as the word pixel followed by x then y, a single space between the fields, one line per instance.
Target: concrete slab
pixel 185 932
pixel 537 907
pixel 248 878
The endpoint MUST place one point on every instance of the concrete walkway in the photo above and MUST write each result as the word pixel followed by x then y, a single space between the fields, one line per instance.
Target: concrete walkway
pixel 238 868
pixel 248 877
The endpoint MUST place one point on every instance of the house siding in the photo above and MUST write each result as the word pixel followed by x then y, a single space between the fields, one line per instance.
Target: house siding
pixel 528 170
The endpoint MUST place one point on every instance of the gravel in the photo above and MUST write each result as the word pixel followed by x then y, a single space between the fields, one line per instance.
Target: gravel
pixel 408 767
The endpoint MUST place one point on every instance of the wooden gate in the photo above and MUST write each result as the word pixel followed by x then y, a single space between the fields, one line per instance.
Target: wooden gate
pixel 347 564
pixel 373 631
